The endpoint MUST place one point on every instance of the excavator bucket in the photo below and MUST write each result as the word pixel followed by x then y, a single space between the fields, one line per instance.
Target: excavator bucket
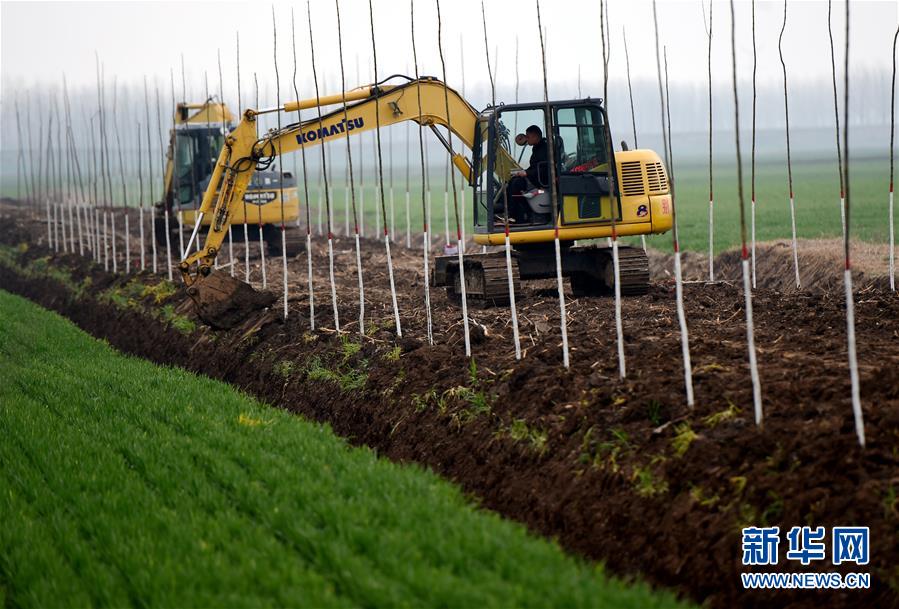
pixel 223 301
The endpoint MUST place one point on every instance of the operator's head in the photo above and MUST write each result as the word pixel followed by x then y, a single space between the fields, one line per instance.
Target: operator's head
pixel 534 135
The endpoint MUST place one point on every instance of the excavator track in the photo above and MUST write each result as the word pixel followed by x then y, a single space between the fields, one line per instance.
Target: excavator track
pixel 486 280
pixel 633 271
pixel 592 271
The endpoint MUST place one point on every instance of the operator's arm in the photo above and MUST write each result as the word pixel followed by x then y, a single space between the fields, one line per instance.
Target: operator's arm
pixel 535 170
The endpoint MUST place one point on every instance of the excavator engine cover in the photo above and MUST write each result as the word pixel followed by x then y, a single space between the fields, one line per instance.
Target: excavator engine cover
pixel 222 301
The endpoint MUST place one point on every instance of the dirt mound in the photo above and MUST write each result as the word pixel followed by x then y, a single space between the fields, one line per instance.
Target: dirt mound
pixel 820 265
pixel 223 301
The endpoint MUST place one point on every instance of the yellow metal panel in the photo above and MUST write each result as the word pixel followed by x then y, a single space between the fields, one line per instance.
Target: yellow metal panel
pixel 206 113
pixel 462 165
pixel 661 213
pixel 565 234
pixel 271 211
pixel 640 214
pixel 571 211
pixel 327 100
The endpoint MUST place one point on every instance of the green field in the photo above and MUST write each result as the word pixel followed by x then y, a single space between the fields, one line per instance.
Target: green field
pixel 815 185
pixel 127 484
pixel 817 198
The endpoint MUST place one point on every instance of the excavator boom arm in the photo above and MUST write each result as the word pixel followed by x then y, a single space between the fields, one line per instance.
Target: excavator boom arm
pixel 373 107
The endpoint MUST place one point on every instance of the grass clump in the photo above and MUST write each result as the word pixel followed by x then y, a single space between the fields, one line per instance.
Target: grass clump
pixel 647 484
pixel 534 437
pixel 348 348
pixel 891 502
pixel 654 412
pixel 182 324
pixel 462 403
pixel 474 404
pixel 698 494
pixel 420 402
pixel 283 368
pixel 348 380
pixel 728 414
pixel 683 438
pixel 604 454
pixel 161 291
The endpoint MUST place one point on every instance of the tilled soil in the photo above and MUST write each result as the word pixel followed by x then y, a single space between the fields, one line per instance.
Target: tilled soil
pixel 621 471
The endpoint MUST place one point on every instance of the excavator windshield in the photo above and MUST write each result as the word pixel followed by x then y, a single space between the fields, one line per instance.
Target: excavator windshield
pixel 514 122
pixel 196 152
pixel 581 136
pixel 499 159
pixel 513 173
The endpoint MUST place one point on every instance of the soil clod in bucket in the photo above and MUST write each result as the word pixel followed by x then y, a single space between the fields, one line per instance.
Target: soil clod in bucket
pixel 222 301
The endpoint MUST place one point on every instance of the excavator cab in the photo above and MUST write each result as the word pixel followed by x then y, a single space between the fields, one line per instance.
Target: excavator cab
pixel 583 193
pixel 599 193
pixel 598 190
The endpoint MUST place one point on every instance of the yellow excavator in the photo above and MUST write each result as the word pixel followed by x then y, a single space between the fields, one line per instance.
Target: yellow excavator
pixel 195 144
pixel 587 207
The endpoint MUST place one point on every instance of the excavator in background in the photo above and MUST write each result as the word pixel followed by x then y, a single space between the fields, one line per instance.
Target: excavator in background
pixel 587 206
pixel 195 144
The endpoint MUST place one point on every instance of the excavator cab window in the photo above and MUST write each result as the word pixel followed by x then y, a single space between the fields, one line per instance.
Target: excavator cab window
pixel 584 163
pixel 482 186
pixel 499 154
pixel 516 122
pixel 580 130
pixel 486 183
pixel 582 167
pixel 196 152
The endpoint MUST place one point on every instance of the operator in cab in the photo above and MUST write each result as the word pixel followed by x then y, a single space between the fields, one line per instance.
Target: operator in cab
pixel 535 176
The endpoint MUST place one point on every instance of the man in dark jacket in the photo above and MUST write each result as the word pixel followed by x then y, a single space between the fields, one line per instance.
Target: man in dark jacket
pixel 536 175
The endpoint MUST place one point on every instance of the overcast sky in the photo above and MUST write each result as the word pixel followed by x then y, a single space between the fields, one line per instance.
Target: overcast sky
pixel 41 41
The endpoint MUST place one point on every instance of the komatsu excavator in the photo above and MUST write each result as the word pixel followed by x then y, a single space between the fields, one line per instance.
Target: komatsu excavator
pixel 195 144
pixel 587 207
